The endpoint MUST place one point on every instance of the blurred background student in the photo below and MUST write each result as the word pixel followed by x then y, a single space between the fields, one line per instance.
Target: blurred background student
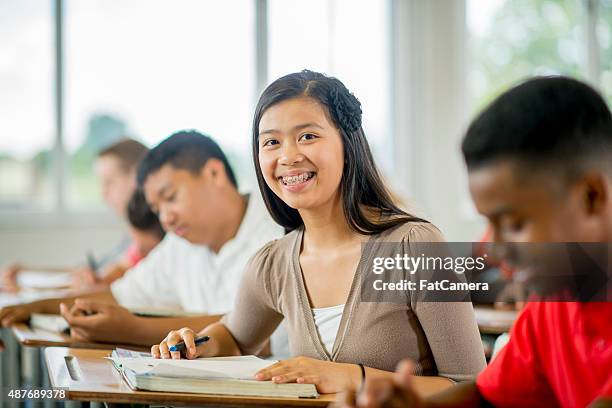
pixel 145 232
pixel 115 167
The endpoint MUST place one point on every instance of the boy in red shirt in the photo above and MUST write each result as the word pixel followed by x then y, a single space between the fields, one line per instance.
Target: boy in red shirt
pixel 540 169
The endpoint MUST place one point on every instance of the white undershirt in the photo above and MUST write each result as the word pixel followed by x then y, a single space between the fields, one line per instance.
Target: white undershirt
pixel 327 321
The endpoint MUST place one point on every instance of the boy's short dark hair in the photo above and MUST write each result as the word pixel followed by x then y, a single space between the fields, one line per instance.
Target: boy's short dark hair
pixel 129 152
pixel 187 150
pixel 140 215
pixel 556 121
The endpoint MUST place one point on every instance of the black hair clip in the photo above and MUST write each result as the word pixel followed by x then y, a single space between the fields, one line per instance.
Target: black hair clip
pixel 346 108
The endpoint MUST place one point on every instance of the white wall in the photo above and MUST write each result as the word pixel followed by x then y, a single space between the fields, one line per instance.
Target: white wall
pixel 56 241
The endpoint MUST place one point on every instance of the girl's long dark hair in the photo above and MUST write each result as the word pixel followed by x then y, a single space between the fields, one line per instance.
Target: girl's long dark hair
pixel 361 185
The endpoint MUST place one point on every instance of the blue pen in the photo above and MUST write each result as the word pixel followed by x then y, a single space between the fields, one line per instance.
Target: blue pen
pixel 91 262
pixel 181 346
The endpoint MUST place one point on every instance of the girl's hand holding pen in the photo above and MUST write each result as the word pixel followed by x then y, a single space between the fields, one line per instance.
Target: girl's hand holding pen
pixel 183 341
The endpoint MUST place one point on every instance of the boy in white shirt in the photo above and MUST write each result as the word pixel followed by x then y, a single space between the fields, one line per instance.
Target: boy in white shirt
pixel 212 231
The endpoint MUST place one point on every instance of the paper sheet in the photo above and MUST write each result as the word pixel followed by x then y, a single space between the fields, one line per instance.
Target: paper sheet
pixel 39 279
pixel 243 368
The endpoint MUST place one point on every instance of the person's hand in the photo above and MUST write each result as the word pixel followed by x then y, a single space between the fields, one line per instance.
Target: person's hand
pixel 9 277
pixel 185 335
pixel 93 321
pixel 15 314
pixel 327 376
pixel 113 272
pixel 383 392
pixel 83 277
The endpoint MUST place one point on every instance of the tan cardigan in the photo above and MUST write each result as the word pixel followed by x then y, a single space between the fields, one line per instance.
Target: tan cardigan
pixel 442 338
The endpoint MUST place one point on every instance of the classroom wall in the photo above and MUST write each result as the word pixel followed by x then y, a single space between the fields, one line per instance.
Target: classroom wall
pixel 57 242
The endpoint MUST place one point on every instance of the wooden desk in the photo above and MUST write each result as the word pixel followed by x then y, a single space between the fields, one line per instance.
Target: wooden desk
pixel 31 295
pixel 33 370
pixel 493 321
pixel 88 376
pixel 28 336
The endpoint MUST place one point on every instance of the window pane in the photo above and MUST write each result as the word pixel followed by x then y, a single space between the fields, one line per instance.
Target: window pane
pixel 149 68
pixel 344 38
pixel 604 35
pixel 26 104
pixel 514 39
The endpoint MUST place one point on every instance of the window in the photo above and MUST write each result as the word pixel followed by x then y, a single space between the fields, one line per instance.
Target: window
pixel 150 68
pixel 514 39
pixel 26 105
pixel 344 38
pixel 604 35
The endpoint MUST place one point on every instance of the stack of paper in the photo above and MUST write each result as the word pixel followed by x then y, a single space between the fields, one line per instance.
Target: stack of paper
pixel 221 375
pixel 49 322
pixel 40 279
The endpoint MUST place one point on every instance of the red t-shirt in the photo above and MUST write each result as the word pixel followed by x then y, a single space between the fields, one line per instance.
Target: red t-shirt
pixel 133 255
pixel 559 354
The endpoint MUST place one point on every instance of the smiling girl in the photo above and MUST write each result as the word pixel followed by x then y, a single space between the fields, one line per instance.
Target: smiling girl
pixel 319 181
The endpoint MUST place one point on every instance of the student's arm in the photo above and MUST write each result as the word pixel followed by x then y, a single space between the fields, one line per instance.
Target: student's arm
pixel 115 271
pixel 9 277
pixel 21 313
pixel 400 391
pixel 449 327
pixel 248 326
pixel 463 395
pixel 83 277
pixel 423 385
pixel 93 321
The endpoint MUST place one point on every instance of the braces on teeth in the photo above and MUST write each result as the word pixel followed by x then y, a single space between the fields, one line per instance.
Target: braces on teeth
pixel 296 179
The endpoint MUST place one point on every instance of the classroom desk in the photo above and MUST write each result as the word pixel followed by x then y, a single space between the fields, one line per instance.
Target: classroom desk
pixel 10 357
pixel 88 376
pixel 27 336
pixel 494 321
pixel 33 340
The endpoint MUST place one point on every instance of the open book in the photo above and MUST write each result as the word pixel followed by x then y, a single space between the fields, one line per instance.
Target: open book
pixel 219 375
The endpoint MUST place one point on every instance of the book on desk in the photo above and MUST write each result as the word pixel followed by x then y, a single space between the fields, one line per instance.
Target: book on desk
pixel 56 323
pixel 43 279
pixel 49 322
pixel 219 375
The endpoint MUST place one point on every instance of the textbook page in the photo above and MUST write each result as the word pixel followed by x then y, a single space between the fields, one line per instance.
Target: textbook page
pixel 242 368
